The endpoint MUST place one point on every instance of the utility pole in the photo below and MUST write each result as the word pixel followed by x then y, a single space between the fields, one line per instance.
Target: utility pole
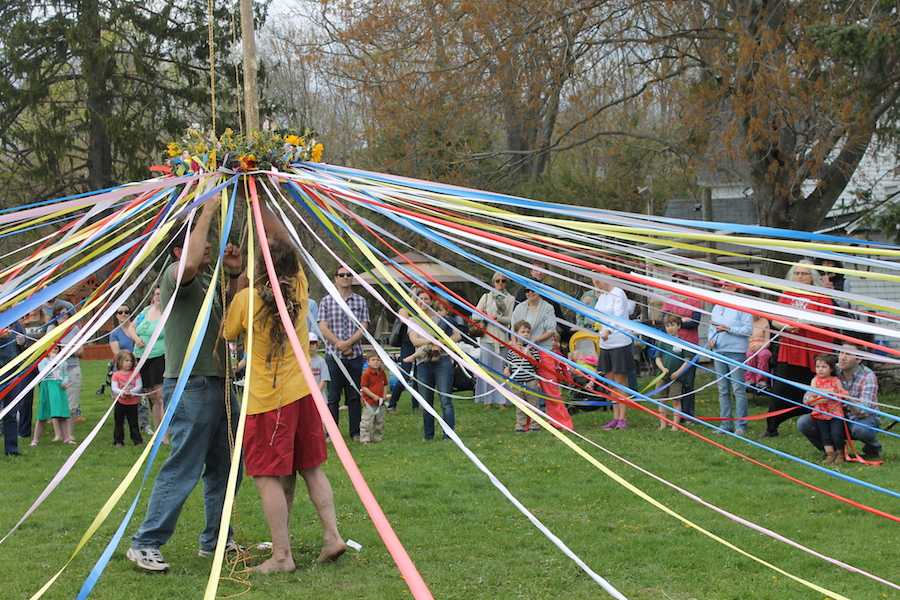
pixel 251 93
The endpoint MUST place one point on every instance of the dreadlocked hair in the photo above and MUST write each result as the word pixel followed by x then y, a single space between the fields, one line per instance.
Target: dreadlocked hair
pixel 287 264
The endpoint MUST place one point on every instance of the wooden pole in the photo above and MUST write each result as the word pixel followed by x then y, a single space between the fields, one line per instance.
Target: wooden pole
pixel 251 93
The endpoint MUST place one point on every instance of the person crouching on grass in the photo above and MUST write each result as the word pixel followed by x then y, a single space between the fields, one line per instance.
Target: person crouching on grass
pixel 673 364
pixel 520 369
pixel 374 387
pixel 125 385
pixel 283 435
pixel 827 410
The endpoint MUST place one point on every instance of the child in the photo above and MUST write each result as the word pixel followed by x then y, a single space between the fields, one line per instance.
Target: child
pixel 317 364
pixel 374 388
pixel 125 385
pixel 831 429
pixel 673 362
pixel 520 369
pixel 758 354
pixel 53 405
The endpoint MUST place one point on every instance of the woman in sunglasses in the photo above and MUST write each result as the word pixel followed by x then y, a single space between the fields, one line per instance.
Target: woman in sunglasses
pixel 118 337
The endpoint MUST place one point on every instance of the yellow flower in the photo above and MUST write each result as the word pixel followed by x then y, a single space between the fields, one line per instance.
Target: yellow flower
pixel 212 160
pixel 293 140
pixel 317 151
pixel 172 149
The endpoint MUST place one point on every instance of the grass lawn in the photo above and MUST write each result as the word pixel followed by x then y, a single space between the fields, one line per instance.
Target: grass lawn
pixel 465 538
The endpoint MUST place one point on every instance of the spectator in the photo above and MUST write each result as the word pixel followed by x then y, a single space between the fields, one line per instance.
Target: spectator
pixel 539 314
pixel 497 305
pixel 828 411
pixel 12 341
pixel 118 338
pixel 861 384
pixel 154 367
pixel 73 365
pixel 689 309
pixel 343 350
pixel 758 354
pixel 674 362
pixel 521 358
pixel 50 311
pixel 317 363
pixel 125 386
pixel 34 330
pixel 617 348
pixel 53 403
pixel 373 385
pixel 796 360
pixel 537 273
pixel 729 335
pixel 400 337
pixel 434 368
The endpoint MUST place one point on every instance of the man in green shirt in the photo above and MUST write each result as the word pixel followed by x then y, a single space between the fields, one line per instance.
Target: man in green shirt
pixel 199 425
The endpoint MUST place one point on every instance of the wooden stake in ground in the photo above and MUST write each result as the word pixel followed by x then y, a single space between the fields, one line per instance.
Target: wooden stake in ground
pixel 248 41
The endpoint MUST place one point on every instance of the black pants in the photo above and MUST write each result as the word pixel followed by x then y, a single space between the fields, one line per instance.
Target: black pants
pixel 781 390
pixel 687 388
pixel 831 433
pixel 25 407
pixel 340 385
pixel 130 412
pixel 398 389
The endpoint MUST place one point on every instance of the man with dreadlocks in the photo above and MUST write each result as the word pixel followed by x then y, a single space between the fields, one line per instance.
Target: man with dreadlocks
pixel 283 434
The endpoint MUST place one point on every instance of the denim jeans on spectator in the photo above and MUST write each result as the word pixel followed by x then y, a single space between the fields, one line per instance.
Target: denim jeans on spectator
pixel 858 431
pixel 731 384
pixel 340 385
pixel 199 448
pixel 437 375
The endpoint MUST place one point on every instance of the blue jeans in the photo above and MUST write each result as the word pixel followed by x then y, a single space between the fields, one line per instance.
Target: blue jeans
pixel 437 375
pixel 733 384
pixel 858 431
pixel 340 385
pixel 199 448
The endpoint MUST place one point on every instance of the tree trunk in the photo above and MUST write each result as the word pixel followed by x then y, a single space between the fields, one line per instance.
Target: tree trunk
pixel 96 74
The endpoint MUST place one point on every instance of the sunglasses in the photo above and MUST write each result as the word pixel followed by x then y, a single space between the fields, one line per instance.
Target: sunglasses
pixel 500 281
pixel 344 275
pixel 121 312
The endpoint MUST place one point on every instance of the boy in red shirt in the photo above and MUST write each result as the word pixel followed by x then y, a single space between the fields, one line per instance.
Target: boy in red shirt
pixel 374 388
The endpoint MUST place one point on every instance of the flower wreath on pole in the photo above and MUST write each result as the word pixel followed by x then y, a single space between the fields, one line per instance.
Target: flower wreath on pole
pixel 198 151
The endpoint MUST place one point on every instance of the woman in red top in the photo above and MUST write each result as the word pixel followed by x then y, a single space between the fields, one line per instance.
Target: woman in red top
pixel 689 309
pixel 797 357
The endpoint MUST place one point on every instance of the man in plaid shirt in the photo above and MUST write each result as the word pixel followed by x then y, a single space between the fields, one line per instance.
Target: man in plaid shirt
pixel 861 384
pixel 343 350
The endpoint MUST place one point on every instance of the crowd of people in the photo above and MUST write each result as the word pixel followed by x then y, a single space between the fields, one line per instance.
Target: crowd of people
pixel 519 339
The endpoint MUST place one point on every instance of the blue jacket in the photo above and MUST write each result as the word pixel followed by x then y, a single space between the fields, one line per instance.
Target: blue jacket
pixel 740 326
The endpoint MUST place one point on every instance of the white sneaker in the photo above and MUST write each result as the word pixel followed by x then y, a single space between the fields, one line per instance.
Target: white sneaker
pixel 147 559
pixel 231 546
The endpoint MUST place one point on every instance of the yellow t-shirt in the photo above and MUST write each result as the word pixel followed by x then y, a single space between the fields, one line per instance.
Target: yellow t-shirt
pixel 281 382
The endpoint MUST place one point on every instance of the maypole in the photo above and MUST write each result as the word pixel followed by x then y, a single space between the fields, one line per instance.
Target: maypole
pixel 251 93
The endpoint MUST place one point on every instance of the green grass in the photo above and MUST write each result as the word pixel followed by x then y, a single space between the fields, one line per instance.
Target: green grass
pixel 465 538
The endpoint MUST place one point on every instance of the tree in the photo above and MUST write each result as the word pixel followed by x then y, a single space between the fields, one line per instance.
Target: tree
pixel 801 91
pixel 90 90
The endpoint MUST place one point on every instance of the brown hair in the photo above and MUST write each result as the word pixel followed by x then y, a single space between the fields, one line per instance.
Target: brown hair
pixel 286 263
pixel 673 319
pixel 519 324
pixel 121 356
pixel 828 359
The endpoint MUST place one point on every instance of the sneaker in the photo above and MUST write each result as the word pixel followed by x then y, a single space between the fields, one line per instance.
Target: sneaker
pixel 230 547
pixel 741 432
pixel 147 559
pixel 769 434
pixel 610 425
pixel 622 424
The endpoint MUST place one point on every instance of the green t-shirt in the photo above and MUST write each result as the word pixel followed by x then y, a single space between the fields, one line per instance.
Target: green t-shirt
pixel 210 359
pixel 673 361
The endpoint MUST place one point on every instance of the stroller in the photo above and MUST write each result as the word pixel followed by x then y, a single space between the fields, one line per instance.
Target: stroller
pixel 584 350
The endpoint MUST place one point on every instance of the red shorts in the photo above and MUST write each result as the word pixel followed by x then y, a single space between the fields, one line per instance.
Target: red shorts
pixel 283 441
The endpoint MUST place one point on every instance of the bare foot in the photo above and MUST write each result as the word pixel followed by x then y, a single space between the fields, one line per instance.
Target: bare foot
pixel 332 552
pixel 662 426
pixel 275 566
